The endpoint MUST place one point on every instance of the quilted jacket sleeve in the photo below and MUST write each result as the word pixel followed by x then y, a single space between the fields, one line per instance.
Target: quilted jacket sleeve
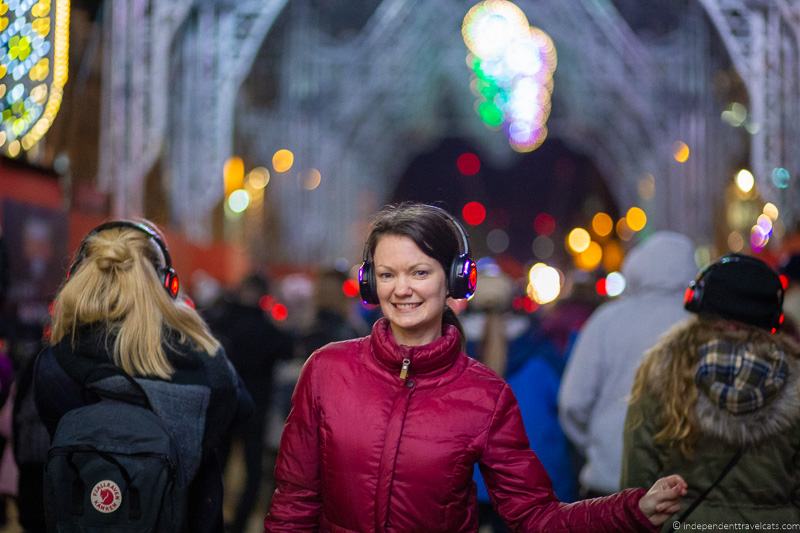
pixel 521 491
pixel 296 502
pixel 641 465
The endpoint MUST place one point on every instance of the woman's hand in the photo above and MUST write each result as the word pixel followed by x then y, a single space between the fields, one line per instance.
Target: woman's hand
pixel 663 499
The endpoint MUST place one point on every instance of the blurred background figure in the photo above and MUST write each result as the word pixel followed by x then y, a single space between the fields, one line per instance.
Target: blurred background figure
pixel 599 374
pixel 790 268
pixel 515 346
pixel 253 344
pixel 206 290
pixel 334 317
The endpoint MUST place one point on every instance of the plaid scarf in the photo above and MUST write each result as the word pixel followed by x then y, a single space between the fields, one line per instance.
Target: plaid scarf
pixel 737 378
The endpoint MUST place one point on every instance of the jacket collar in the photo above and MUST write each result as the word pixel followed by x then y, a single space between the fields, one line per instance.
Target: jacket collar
pixel 427 359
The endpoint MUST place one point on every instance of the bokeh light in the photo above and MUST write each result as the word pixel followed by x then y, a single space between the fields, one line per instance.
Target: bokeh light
pixel 636 218
pixel 771 211
pixel 590 258
pixel 233 174
pixel 745 180
pixel 578 240
pixel 238 201
pixel 602 224
pixel 279 312
pixel 758 238
pixel 680 151
pixel 473 213
pixel 544 283
pixel 282 160
pixel 258 178
pixel 735 242
pixel 544 224
pixel 613 256
pixel 765 223
pixel 512 65
pixel 600 287
pixel 781 177
pixel 615 284
pixel 468 164
pixel 647 187
pixel 497 241
pixel 311 179
pixel 624 232
pixel 350 288
pixel 543 247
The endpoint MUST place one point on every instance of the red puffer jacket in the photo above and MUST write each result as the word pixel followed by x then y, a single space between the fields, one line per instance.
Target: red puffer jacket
pixel 365 451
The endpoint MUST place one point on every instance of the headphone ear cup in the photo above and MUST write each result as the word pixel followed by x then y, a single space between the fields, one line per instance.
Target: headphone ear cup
pixel 171 282
pixel 463 277
pixel 366 283
pixel 693 298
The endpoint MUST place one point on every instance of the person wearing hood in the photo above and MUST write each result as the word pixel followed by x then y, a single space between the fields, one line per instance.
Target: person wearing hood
pixel 718 400
pixel 609 348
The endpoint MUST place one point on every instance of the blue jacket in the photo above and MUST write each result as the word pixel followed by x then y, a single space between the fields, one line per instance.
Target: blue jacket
pixel 534 370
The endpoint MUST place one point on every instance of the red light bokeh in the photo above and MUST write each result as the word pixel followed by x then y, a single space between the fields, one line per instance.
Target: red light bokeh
pixel 474 213
pixel 468 164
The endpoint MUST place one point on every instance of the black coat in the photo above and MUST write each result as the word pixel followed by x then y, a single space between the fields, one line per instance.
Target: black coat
pixel 60 371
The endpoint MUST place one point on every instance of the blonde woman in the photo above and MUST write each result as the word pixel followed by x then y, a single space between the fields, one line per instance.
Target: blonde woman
pixel 717 401
pixel 119 313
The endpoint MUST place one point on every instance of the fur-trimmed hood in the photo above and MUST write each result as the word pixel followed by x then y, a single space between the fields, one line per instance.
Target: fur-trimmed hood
pixel 715 417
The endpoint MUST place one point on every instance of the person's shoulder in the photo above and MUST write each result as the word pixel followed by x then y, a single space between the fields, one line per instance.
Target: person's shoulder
pixel 483 375
pixel 339 350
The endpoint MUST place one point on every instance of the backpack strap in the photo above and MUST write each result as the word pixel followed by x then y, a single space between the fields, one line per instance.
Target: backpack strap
pixel 689 510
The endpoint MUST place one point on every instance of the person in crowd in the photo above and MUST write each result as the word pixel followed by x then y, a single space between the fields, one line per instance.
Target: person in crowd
pixel 515 347
pixel 593 398
pixel 331 316
pixel 384 430
pixel 253 344
pixel 113 308
pixel 790 269
pixel 718 401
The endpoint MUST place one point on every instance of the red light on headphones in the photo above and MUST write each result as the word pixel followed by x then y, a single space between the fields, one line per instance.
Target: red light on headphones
pixel 174 286
pixel 781 319
pixel 773 331
pixel 784 281
pixel 688 296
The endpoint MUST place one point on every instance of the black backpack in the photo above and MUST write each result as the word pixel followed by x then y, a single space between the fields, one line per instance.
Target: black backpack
pixel 113 466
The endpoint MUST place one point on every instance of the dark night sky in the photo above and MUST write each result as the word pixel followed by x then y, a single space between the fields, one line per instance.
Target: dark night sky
pixel 552 178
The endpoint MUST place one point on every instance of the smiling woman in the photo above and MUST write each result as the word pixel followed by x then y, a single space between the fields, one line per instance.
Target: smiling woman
pixel 385 430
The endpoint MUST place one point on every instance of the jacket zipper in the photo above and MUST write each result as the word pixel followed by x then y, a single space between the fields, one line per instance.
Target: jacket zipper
pixel 404 369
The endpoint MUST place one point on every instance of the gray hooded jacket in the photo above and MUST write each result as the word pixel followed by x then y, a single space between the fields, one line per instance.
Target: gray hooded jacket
pixel 597 382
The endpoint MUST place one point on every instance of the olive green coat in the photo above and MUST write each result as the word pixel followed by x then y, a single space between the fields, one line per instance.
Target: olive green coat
pixel 764 486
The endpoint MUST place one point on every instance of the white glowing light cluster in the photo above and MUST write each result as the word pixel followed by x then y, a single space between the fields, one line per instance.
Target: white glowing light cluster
pixel 763 228
pixel 544 283
pixel 513 65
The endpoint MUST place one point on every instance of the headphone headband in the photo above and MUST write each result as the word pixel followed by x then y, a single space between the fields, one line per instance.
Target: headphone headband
pixel 170 279
pixel 462 275
pixel 458 226
pixel 450 218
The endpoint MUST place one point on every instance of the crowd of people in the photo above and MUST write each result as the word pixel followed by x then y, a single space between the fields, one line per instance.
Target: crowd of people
pixel 676 402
